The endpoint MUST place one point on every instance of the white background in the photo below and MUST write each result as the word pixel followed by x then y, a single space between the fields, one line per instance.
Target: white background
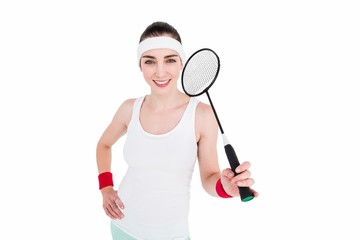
pixel 287 96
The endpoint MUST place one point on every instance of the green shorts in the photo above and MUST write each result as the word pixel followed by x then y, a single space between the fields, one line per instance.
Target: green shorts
pixel 118 234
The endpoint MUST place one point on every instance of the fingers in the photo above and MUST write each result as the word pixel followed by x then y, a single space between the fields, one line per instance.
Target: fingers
pixel 242 177
pixel 113 211
pixel 256 194
pixel 242 167
pixel 112 207
pixel 119 203
pixel 245 183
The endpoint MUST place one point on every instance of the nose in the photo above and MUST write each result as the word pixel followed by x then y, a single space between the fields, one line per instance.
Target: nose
pixel 160 70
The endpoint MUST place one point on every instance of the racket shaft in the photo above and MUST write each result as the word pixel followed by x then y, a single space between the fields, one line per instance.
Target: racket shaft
pixel 245 192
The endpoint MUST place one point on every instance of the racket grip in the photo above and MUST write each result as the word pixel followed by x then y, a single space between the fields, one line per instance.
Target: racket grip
pixel 245 193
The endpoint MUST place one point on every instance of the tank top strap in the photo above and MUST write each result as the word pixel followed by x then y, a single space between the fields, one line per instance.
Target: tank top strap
pixel 136 108
pixel 190 110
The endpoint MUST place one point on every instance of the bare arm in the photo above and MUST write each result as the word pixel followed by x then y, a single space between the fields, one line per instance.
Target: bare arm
pixel 207 134
pixel 112 133
pixel 116 129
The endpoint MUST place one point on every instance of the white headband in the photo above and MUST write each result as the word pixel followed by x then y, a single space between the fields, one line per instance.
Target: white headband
pixel 160 42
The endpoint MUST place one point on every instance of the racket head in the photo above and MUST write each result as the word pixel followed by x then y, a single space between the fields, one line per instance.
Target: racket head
pixel 200 72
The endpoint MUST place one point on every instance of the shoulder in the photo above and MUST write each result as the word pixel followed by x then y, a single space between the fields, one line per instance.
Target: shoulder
pixel 204 111
pixel 127 104
pixel 206 124
pixel 124 112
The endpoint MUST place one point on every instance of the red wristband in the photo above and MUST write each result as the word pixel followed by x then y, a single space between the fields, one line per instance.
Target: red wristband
pixel 220 190
pixel 105 180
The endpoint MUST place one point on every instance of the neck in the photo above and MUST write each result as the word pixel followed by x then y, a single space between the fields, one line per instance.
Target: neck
pixel 168 101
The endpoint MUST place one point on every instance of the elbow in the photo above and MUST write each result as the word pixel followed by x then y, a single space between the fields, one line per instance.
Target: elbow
pixel 102 149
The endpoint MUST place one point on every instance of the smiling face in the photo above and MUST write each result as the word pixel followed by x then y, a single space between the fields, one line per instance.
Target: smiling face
pixel 161 69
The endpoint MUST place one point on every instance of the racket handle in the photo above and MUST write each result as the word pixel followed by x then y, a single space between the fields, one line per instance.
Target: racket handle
pixel 245 193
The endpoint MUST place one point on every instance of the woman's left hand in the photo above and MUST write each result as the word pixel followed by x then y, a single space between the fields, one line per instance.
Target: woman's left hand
pixel 243 178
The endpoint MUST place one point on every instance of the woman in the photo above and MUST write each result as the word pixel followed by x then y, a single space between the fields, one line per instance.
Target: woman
pixel 166 131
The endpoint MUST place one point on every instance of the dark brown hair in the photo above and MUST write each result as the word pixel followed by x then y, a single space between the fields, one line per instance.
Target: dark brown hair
pixel 157 29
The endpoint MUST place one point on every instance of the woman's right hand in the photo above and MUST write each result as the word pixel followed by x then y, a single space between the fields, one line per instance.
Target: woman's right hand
pixel 112 203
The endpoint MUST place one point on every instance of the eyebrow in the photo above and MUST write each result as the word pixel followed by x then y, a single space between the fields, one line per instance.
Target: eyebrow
pixel 167 56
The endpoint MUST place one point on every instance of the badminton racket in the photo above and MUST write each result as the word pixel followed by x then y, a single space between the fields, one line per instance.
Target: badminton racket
pixel 199 74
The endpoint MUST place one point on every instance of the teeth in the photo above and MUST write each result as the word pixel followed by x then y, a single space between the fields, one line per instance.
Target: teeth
pixel 162 82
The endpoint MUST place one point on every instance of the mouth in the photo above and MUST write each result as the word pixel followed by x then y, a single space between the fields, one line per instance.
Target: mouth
pixel 161 83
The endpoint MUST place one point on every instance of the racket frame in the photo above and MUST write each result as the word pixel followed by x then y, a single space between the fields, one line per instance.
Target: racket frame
pixel 245 192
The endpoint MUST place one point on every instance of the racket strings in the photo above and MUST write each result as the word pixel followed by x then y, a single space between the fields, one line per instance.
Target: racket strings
pixel 200 72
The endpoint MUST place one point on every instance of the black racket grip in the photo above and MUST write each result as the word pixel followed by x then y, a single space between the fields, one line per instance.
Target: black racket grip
pixel 245 193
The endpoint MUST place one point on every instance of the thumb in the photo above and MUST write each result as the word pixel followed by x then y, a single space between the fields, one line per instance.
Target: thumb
pixel 227 173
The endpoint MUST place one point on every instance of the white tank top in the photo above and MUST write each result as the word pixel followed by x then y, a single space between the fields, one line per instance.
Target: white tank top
pixel 156 187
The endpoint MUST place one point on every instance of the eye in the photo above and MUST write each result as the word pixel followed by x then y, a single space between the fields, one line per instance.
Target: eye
pixel 171 60
pixel 149 62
